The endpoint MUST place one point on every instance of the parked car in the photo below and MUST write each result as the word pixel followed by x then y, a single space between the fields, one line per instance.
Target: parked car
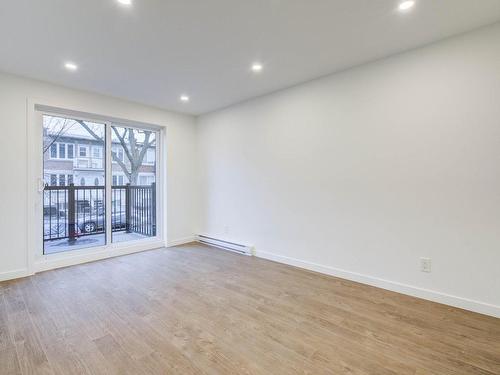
pixel 52 211
pixel 56 224
pixel 95 223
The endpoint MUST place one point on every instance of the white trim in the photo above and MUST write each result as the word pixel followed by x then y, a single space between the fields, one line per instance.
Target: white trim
pixel 180 241
pixel 34 172
pixel 89 114
pixel 108 173
pixel 71 258
pixel 431 295
pixel 16 274
pixel 161 172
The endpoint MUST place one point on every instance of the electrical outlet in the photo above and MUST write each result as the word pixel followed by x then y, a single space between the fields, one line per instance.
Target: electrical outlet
pixel 425 264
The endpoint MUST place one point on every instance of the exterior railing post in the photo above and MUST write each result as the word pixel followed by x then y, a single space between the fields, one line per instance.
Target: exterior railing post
pixel 128 209
pixel 153 207
pixel 71 214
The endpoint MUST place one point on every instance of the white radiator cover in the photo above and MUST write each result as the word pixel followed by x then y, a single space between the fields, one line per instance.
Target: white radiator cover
pixel 224 244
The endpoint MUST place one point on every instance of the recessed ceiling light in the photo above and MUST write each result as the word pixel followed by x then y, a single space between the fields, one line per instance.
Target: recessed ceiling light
pixel 71 66
pixel 125 2
pixel 184 98
pixel 257 67
pixel 405 5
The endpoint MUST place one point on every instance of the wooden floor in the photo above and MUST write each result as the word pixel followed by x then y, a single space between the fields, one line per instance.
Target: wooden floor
pixel 197 310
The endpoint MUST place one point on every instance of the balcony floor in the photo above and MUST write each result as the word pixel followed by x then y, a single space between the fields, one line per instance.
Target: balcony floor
pixel 59 246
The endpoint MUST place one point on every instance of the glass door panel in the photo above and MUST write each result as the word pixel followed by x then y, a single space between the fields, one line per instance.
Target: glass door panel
pixel 74 204
pixel 133 190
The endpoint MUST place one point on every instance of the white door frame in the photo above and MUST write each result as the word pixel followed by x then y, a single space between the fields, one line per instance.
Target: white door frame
pixel 37 261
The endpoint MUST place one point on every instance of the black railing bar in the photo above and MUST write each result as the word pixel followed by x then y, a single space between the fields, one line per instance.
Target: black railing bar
pixel 51 188
pixel 88 187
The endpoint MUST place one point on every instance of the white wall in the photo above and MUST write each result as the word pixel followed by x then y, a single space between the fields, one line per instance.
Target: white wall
pixel 362 173
pixel 14 91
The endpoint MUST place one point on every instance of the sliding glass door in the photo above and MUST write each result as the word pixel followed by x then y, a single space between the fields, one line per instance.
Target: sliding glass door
pixel 74 173
pixel 133 166
pixel 99 183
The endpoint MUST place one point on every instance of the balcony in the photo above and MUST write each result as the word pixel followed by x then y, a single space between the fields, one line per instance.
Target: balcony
pixel 75 216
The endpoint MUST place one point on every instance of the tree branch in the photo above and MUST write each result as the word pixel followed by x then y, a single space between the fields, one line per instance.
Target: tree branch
pixel 133 145
pixel 54 139
pixel 124 145
pixel 91 132
pixel 145 146
pixel 122 165
pixel 131 149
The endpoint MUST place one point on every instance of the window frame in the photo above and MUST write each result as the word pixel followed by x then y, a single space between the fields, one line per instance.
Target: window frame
pixel 61 149
pixel 87 112
pixel 61 177
pixel 57 147
pixel 53 179
pixel 99 154
pixel 83 147
pixel 146 157
pixel 54 147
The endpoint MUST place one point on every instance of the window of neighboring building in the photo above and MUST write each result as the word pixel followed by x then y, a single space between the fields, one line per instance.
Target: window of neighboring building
pixel 146 179
pixel 70 179
pixel 62 180
pixel 96 152
pixel 96 182
pixel 53 151
pixel 62 151
pixel 82 181
pixel 53 180
pixel 83 151
pixel 118 180
pixel 150 156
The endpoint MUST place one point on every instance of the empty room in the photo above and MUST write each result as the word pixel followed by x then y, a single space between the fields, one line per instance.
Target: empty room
pixel 250 187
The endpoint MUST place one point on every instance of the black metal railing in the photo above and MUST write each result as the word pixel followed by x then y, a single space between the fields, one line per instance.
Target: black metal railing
pixel 134 209
pixel 74 211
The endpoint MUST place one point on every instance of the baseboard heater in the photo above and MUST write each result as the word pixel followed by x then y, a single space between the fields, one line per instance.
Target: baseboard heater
pixel 226 245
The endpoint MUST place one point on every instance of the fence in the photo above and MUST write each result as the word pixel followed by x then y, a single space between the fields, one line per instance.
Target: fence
pixel 74 211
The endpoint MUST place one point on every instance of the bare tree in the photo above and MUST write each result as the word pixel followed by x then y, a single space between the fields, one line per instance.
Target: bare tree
pixel 63 124
pixel 135 150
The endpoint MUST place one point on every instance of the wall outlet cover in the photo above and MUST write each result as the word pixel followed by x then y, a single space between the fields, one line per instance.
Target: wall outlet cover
pixel 425 264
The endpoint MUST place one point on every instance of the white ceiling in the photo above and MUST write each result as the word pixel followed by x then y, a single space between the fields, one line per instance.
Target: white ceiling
pixel 156 50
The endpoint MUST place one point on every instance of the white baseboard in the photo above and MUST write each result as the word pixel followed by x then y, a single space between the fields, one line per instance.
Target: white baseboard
pixel 447 299
pixel 181 241
pixel 9 275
